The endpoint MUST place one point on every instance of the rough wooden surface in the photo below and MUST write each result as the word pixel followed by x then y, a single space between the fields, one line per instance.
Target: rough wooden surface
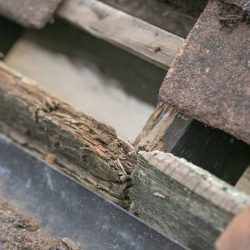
pixel 132 34
pixel 181 200
pixel 162 119
pixel 212 149
pixel 90 145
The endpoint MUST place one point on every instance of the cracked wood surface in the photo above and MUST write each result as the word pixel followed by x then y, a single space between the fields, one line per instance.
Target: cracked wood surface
pixel 182 200
pixel 92 146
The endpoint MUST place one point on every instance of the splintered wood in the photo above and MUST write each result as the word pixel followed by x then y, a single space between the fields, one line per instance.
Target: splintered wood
pixel 97 154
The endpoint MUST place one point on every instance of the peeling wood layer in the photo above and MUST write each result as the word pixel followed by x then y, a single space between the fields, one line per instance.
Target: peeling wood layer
pixel 181 200
pixel 163 119
pixel 29 13
pixel 92 146
pixel 116 27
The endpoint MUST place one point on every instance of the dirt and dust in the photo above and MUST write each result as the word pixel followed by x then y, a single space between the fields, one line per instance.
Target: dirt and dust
pixel 232 15
pixel 20 232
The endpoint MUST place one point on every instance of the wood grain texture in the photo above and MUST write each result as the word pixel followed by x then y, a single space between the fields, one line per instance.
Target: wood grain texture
pixel 164 118
pixel 90 145
pixel 181 200
pixel 132 34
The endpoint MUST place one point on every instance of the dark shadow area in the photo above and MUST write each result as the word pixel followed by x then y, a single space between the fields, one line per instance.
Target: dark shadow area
pixel 9 33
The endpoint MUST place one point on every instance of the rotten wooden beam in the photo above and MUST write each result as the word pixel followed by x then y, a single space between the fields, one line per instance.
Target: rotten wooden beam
pixel 181 200
pixel 97 155
pixel 116 27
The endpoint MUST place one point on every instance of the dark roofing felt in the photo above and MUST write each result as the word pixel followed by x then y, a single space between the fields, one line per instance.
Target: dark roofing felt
pixel 29 13
pixel 210 78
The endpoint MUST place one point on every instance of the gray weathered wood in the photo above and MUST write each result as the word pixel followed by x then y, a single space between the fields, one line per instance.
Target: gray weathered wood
pixel 132 34
pixel 97 155
pixel 181 200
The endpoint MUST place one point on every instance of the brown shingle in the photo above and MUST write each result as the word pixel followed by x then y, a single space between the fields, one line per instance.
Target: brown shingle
pixel 210 78
pixel 237 235
pixel 29 13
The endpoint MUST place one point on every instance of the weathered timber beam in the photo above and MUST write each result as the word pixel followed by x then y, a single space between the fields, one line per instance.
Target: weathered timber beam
pixel 98 154
pixel 130 33
pixel 214 150
pixel 181 200
pixel 163 14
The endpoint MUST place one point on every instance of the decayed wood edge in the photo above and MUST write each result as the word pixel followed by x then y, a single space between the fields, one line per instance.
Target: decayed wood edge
pixel 244 182
pixel 130 33
pixel 91 146
pixel 163 117
pixel 182 200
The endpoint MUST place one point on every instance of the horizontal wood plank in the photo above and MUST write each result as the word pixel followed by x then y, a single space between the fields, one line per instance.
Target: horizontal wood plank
pixel 130 33
pixel 181 200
